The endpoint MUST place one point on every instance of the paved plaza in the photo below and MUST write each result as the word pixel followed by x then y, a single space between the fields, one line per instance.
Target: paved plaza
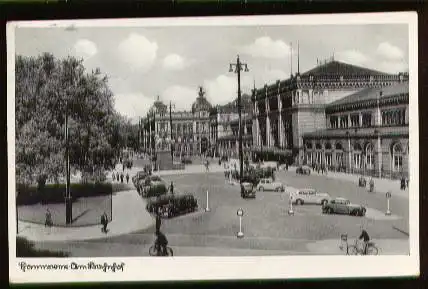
pixel 268 228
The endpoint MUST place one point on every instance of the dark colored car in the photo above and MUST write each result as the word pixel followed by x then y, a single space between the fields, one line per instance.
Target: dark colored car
pixel 173 205
pixel 343 206
pixel 247 190
pixel 186 161
pixel 303 170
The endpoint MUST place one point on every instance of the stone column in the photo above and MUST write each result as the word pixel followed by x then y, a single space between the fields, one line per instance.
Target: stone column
pixel 280 128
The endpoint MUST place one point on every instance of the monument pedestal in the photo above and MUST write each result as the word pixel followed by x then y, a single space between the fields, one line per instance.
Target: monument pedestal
pixel 164 160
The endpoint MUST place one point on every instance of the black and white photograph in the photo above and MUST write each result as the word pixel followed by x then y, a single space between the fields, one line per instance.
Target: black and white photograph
pixel 261 142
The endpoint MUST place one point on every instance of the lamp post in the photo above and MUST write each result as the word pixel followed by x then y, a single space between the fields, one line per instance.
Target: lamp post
pixel 238 66
pixel 170 129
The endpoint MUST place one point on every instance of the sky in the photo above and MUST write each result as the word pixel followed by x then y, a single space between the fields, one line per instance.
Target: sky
pixel 143 63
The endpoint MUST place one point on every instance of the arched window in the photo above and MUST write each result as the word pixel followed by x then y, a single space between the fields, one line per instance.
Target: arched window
pixel 309 145
pixel 318 146
pixel 357 155
pixel 397 157
pixel 369 156
pixel 328 146
pixel 339 146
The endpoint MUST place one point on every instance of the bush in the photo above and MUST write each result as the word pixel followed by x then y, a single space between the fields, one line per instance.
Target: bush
pixel 25 248
pixel 155 190
pixel 55 193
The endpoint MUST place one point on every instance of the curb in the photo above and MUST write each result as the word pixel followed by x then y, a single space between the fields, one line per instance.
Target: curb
pixel 401 231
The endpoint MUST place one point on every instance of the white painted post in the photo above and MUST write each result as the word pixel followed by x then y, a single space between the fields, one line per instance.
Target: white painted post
pixel 290 209
pixel 207 209
pixel 240 213
pixel 388 211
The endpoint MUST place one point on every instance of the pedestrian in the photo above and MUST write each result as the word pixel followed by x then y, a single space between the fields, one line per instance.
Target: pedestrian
pixel 158 220
pixel 123 167
pixel 403 183
pixel 121 177
pixel 286 166
pixel 171 188
pixel 371 183
pixel 48 218
pixel 113 176
pixel 104 222
pixel 127 178
pixel 117 176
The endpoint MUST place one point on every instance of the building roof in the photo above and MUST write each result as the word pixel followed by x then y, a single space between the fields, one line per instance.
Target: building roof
pixel 373 93
pixel 201 103
pixel 338 68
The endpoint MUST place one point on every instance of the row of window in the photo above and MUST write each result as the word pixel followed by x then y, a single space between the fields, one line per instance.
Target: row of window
pixel 359 160
pixel 389 117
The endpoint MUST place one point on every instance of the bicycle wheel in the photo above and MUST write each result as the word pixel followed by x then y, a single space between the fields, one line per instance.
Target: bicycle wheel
pixel 352 250
pixel 152 251
pixel 372 250
pixel 169 252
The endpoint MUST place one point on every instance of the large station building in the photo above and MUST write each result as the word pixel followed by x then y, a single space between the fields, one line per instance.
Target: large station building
pixel 291 115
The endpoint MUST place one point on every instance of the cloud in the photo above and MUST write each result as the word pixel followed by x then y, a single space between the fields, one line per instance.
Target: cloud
pixel 181 96
pixel 353 56
pixel 273 75
pixel 221 90
pixel 85 48
pixel 133 105
pixel 173 62
pixel 138 52
pixel 389 51
pixel 265 47
pixel 393 67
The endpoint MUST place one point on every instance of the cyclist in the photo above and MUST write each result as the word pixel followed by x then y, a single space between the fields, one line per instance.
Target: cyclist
pixel 161 243
pixel 365 237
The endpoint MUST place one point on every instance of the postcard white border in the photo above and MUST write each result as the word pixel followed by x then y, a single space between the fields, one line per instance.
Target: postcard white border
pixel 225 268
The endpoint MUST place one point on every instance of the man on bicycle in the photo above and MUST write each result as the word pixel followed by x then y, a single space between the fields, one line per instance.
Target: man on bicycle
pixel 365 237
pixel 161 243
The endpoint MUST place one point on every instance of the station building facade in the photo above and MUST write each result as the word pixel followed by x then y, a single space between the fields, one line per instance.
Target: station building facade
pixel 366 133
pixel 285 111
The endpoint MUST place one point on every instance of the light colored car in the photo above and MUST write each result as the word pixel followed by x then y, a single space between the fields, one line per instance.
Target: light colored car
pixel 343 206
pixel 266 184
pixel 309 196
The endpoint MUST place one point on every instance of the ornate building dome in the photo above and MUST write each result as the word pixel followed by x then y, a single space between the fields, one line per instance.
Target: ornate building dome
pixel 201 103
pixel 159 107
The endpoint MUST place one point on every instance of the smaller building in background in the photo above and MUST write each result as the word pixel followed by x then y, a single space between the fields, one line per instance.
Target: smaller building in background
pixel 366 133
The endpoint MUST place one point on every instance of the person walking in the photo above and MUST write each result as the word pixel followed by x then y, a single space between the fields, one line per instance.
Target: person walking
pixel 158 220
pixel 104 222
pixel 48 218
pixel 171 188
pixel 121 177
pixel 127 178
pixel 113 176
pixel 371 184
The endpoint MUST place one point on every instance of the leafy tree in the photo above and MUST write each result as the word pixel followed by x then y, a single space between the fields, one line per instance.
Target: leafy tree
pixel 48 89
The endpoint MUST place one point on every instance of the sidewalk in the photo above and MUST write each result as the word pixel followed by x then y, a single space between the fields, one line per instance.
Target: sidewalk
pixel 385 246
pixel 129 215
pixel 381 185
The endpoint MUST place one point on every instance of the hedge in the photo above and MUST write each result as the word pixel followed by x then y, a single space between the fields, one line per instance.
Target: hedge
pixel 25 248
pixel 55 193
pixel 155 190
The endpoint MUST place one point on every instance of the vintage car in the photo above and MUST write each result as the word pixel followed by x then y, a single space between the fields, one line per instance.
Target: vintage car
pixel 138 176
pixel 303 170
pixel 308 196
pixel 172 205
pixel 267 184
pixel 343 206
pixel 247 190
pixel 154 189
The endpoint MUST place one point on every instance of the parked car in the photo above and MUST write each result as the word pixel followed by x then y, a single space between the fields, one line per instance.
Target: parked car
pixel 154 189
pixel 309 196
pixel 172 205
pixel 186 161
pixel 303 170
pixel 343 206
pixel 267 184
pixel 138 176
pixel 247 190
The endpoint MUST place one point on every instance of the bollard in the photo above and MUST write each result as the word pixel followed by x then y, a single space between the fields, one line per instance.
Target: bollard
pixel 240 213
pixel 388 197
pixel 290 209
pixel 207 209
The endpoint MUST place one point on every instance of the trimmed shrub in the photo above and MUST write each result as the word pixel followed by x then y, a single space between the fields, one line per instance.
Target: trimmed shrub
pixel 25 248
pixel 55 193
pixel 155 190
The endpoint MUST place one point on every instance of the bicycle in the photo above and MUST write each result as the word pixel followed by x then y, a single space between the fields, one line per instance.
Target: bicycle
pixel 359 250
pixel 153 251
